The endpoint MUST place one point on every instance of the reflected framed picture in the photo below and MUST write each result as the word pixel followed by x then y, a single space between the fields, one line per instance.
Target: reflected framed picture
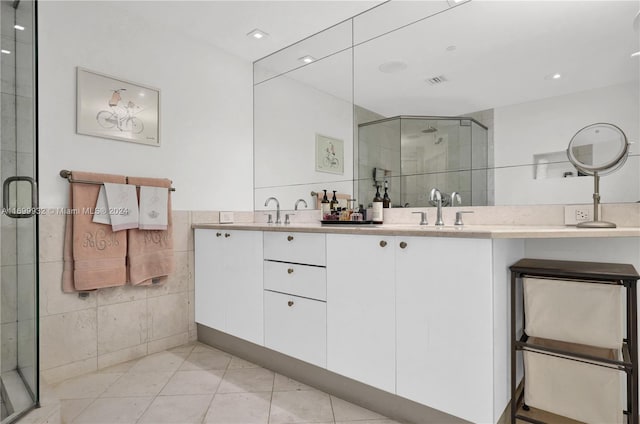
pixel 329 154
pixel 115 108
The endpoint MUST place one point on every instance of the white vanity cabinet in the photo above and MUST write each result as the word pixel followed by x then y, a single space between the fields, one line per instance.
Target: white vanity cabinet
pixel 295 309
pixel 444 321
pixel 361 308
pixel 424 318
pixel 228 282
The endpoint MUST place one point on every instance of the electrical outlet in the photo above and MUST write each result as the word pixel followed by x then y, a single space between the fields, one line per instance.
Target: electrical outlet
pixel 575 214
pixel 226 217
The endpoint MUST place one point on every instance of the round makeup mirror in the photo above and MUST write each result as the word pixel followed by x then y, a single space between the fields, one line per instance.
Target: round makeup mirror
pixel 598 149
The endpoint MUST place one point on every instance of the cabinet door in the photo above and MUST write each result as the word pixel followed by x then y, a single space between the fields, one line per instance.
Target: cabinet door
pixel 361 309
pixel 445 325
pixel 210 303
pixel 228 279
pixel 296 327
pixel 243 280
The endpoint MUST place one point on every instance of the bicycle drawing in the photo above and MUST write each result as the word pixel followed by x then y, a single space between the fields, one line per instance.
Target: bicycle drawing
pixel 121 116
pixel 330 160
pixel 329 154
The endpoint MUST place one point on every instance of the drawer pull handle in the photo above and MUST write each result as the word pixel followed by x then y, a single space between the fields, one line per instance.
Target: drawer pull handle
pixel 403 245
pixel 383 243
pixel 290 303
pixel 290 271
pixel 290 238
pixel 227 235
pixel 218 234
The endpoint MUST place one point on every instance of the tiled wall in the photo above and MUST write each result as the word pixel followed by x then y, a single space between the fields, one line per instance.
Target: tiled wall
pixel 113 325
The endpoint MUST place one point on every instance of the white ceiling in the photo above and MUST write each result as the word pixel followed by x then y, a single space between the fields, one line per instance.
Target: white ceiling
pixel 504 50
pixel 225 24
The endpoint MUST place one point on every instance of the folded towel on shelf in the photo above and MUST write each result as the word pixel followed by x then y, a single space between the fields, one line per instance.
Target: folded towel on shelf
pixel 150 252
pixel 153 208
pixel 123 206
pixel 94 255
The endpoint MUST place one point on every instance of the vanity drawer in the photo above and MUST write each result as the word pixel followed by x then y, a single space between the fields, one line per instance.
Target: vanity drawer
pixel 296 327
pixel 300 280
pixel 301 248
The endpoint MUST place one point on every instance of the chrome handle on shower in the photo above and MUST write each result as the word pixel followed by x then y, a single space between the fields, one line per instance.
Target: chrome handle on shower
pixel 30 210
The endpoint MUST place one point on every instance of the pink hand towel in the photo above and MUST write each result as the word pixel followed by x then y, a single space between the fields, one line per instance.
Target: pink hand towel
pixel 94 256
pixel 150 252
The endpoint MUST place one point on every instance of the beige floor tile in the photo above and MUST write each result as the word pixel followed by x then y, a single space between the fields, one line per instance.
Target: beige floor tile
pixel 86 386
pixel 211 360
pixel 201 382
pixel 119 368
pixel 188 348
pixel 247 380
pixel 114 411
pixel 139 384
pixel 161 361
pixel 283 384
pixel 201 347
pixel 71 408
pixel 382 421
pixel 241 363
pixel 346 411
pixel 304 406
pixel 177 409
pixel 239 408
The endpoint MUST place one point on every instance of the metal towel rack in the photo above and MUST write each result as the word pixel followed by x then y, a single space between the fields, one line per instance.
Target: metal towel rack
pixel 66 174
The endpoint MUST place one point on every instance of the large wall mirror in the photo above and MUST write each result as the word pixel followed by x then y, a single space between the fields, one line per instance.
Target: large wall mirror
pixel 479 97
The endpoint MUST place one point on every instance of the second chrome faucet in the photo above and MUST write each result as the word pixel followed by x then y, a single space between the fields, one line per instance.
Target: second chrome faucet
pixel 436 196
pixel 266 203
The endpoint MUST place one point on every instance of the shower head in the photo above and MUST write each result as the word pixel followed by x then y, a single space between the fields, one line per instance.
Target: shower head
pixel 430 130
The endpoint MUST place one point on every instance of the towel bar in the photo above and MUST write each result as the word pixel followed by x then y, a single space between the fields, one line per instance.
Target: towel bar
pixel 66 174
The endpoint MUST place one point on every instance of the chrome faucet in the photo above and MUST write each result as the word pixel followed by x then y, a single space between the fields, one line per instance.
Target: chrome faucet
pixel 436 196
pixel 456 196
pixel 295 207
pixel 277 208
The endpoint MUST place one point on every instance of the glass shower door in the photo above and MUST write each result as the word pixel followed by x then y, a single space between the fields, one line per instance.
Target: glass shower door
pixel 18 235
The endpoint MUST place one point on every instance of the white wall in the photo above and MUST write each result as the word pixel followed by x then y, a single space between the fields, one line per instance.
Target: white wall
pixel 547 125
pixel 206 106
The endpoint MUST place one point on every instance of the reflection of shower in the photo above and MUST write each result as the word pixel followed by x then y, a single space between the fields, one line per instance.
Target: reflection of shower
pixel 430 130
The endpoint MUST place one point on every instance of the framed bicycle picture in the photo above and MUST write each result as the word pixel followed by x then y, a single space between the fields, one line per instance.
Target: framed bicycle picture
pixel 329 154
pixel 115 108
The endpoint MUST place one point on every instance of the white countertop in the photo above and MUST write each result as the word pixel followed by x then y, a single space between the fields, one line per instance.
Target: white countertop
pixel 466 231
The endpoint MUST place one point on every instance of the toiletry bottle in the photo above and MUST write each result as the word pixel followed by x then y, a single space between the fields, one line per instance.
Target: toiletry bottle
pixel 376 212
pixel 324 205
pixel 386 200
pixel 334 201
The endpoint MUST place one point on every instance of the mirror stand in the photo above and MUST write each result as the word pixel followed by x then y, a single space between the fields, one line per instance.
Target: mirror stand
pixel 596 203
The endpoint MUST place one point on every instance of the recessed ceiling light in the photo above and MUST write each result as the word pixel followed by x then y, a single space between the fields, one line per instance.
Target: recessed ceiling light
pixel 257 34
pixel 635 54
pixel 5 51
pixel 306 59
pixel 392 67
pixel 553 76
pixel 19 27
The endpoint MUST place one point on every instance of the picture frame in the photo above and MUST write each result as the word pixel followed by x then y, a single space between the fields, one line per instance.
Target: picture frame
pixel 114 108
pixel 329 154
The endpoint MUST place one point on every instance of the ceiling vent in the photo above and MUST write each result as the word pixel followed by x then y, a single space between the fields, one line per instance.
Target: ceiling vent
pixel 437 80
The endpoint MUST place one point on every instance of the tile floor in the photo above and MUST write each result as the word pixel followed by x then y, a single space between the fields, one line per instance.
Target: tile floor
pixel 198 384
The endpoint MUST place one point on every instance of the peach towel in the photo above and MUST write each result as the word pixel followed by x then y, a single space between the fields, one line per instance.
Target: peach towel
pixel 94 256
pixel 150 252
